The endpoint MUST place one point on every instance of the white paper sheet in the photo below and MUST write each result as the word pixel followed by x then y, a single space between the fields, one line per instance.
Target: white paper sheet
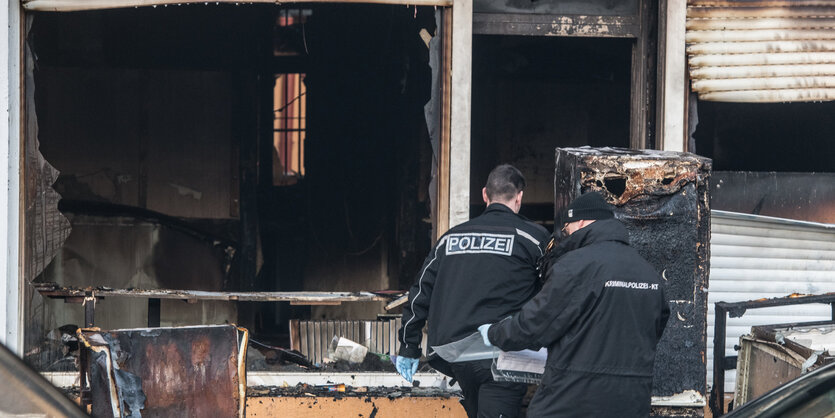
pixel 523 361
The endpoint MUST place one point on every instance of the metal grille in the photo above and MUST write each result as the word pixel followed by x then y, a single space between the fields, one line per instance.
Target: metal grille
pixel 312 338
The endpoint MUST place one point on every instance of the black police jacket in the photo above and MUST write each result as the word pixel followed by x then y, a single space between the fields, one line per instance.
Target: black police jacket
pixel 478 273
pixel 601 313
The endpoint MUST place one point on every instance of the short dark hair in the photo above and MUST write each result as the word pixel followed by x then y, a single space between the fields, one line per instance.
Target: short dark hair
pixel 504 183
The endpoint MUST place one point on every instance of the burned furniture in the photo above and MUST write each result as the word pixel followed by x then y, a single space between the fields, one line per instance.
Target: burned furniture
pixel 184 371
pixel 723 310
pixel 776 354
pixel 662 199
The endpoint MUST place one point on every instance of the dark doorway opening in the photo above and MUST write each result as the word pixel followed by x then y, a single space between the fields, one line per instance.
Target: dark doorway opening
pixel 534 94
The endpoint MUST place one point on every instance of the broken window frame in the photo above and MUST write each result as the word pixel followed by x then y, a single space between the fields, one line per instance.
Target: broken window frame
pixel 289 128
pixel 289 101
pixel 439 189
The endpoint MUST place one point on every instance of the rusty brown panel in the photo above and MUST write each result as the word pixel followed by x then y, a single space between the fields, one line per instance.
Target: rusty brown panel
pixel 189 371
pixel 770 368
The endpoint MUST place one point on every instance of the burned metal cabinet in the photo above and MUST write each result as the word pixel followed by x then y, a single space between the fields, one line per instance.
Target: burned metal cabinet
pixel 165 372
pixel 662 198
pixel 773 355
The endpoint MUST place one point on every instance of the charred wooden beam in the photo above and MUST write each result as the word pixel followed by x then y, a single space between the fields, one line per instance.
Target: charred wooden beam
pixel 551 25
pixel 54 291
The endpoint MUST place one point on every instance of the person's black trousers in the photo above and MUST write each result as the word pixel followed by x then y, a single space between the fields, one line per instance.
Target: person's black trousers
pixel 484 398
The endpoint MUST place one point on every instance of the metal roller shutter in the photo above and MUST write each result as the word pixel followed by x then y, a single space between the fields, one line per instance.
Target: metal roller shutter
pixel 761 51
pixel 753 257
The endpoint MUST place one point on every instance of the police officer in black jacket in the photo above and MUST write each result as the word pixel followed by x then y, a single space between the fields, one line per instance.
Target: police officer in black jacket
pixel 601 313
pixel 480 271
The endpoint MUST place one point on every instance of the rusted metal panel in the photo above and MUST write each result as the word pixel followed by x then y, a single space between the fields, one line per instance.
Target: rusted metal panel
pixel 762 366
pixel 775 354
pixel 188 371
pixel 769 51
pixel 662 198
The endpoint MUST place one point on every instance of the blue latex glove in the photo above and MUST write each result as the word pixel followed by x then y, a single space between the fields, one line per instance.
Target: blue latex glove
pixel 407 367
pixel 483 330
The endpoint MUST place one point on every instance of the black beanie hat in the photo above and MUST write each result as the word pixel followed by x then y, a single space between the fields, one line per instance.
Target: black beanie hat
pixel 590 206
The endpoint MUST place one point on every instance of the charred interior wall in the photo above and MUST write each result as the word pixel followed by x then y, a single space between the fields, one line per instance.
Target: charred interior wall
pixel 157 120
pixel 773 159
pixel 531 94
pixel 141 112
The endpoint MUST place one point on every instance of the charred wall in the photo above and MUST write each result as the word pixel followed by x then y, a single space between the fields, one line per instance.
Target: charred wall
pixel 781 137
pixel 773 159
pixel 801 196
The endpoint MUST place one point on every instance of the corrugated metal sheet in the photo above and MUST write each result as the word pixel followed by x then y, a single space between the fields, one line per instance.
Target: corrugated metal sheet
pixel 762 51
pixel 753 257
